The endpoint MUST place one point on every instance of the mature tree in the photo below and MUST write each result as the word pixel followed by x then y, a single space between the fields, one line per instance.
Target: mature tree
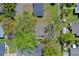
pixel 25 41
pixel 68 4
pixel 52 49
pixel 52 4
pixel 68 38
pixel 8 24
pixel 9 9
pixel 56 23
pixel 25 22
pixel 25 38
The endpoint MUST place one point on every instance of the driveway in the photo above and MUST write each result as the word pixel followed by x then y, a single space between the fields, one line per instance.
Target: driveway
pixel 39 31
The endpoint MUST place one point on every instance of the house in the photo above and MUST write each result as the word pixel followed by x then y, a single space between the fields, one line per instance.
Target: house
pixel 1 31
pixel 75 29
pixel 74 52
pixel 38 9
pixel 77 8
pixel 2 49
pixel 38 50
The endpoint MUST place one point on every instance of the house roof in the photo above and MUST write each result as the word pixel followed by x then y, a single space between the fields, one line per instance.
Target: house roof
pixel 38 9
pixel 77 8
pixel 38 50
pixel 74 52
pixel 2 49
pixel 75 29
pixel 1 31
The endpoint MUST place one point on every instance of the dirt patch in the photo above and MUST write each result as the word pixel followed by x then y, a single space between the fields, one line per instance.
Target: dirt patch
pixel 28 7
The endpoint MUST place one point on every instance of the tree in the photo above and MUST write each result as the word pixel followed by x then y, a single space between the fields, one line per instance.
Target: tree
pixel 68 4
pixel 25 37
pixel 8 25
pixel 9 9
pixel 25 22
pixel 67 38
pixel 25 41
pixel 52 49
pixel 52 4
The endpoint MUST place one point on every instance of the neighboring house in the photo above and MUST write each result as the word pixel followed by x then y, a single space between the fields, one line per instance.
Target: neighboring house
pixel 1 9
pixel 1 31
pixel 75 29
pixel 38 9
pixel 2 49
pixel 38 50
pixel 74 52
pixel 77 8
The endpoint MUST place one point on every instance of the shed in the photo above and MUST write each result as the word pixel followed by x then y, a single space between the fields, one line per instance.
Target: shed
pixel 38 9
pixel 1 31
pixel 2 49
pixel 75 29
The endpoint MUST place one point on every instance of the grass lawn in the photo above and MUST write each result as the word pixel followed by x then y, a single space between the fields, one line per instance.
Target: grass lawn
pixel 53 9
pixel 1 40
pixel 12 46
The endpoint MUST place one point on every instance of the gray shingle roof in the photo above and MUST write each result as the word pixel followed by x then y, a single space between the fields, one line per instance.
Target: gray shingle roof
pixel 38 9
pixel 74 52
pixel 38 50
pixel 2 49
pixel 75 28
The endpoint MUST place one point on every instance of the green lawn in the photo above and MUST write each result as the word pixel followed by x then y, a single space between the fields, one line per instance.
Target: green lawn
pixel 1 40
pixel 12 45
pixel 53 9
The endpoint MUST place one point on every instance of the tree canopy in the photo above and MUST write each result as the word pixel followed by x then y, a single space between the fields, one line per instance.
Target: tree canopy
pixel 52 49
pixel 8 24
pixel 25 40
pixel 67 38
pixel 25 37
pixel 25 22
pixel 9 9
